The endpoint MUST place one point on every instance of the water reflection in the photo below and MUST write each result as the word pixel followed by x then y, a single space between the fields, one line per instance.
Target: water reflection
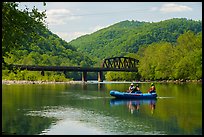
pixel 134 105
pixel 80 109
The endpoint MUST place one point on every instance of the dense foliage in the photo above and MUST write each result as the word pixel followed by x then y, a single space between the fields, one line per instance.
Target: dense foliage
pixel 164 60
pixel 19 27
pixel 49 50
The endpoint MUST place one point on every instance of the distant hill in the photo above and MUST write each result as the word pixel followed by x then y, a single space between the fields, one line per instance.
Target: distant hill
pixel 127 36
pixel 48 50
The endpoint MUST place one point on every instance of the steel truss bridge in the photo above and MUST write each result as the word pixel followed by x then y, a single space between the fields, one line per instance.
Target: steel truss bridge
pixel 126 64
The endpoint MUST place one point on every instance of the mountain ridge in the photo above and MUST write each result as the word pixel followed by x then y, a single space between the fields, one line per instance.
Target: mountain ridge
pixel 127 36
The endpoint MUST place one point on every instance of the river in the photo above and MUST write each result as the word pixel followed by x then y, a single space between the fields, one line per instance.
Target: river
pixel 88 109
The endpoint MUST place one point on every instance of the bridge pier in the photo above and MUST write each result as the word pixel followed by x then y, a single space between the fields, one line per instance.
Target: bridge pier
pixel 84 76
pixel 100 75
pixel 43 73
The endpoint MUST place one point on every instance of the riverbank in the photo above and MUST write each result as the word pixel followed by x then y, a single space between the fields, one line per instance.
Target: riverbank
pixel 8 82
pixel 176 81
pixel 38 82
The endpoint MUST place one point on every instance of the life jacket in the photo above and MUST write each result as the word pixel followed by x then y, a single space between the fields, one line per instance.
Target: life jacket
pixel 132 87
pixel 153 88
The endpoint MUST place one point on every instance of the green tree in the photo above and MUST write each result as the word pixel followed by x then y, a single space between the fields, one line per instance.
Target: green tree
pixel 19 26
pixel 188 56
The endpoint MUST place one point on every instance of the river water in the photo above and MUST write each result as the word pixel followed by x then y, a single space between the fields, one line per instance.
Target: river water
pixel 88 109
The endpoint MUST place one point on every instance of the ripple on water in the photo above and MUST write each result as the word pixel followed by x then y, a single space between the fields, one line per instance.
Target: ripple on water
pixel 72 121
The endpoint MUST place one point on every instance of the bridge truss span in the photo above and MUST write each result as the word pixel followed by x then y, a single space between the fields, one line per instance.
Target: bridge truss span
pixel 120 63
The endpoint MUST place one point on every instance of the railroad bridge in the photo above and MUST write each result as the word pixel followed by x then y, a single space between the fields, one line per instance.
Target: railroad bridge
pixel 109 64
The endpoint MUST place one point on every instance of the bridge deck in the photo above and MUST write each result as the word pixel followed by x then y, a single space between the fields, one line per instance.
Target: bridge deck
pixel 65 68
pixel 126 64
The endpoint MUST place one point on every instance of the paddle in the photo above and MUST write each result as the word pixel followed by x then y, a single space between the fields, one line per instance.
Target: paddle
pixel 128 91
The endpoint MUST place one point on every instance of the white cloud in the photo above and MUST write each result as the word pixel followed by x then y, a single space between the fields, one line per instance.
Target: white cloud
pixel 172 7
pixel 153 8
pixel 57 11
pixel 59 16
pixel 65 36
pixel 70 36
pixel 96 28
pixel 78 34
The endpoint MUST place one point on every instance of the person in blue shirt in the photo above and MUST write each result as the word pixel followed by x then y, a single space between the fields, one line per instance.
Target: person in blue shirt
pixel 133 89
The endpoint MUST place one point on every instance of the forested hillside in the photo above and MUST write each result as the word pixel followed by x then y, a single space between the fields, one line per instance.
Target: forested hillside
pixel 127 36
pixel 49 50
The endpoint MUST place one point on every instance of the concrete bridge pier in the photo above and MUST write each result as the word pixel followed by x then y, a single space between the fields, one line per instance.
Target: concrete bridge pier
pixel 84 76
pixel 100 75
pixel 43 73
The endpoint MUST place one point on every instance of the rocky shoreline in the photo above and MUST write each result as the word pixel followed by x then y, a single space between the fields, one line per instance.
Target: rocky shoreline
pixel 8 82
pixel 176 81
pixel 38 82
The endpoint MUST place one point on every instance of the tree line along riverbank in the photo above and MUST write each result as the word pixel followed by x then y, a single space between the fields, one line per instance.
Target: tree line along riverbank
pixel 81 82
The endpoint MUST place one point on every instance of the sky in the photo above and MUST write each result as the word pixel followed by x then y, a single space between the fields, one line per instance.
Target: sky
pixel 70 20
